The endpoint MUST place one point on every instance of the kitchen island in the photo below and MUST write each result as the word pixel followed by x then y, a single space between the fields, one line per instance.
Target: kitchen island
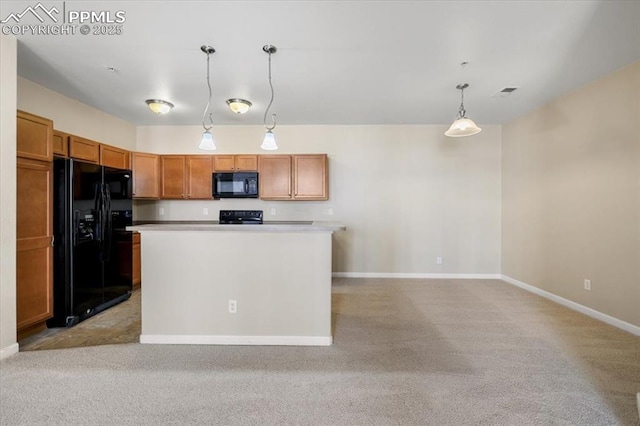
pixel 206 283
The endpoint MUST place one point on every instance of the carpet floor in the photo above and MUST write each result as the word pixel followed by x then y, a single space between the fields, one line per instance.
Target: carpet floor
pixel 405 352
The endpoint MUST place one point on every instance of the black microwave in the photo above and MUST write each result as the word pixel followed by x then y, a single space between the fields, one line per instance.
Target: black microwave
pixel 235 185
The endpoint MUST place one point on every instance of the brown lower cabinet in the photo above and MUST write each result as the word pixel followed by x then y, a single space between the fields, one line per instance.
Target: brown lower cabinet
pixel 34 245
pixel 137 266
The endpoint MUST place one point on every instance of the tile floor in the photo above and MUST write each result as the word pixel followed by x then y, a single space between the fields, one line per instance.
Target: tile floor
pixel 119 324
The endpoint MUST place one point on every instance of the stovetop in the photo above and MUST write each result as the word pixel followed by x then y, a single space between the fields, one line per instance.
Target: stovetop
pixel 241 217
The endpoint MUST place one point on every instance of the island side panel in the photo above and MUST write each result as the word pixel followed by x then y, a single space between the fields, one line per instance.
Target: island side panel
pixel 280 280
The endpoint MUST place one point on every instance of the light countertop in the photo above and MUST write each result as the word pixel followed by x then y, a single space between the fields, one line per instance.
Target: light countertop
pixel 268 226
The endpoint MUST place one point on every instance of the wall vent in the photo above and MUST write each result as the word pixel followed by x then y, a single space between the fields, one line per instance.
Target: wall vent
pixel 505 91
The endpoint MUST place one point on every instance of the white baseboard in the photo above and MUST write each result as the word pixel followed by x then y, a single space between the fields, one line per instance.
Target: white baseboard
pixel 9 351
pixel 575 306
pixel 236 340
pixel 415 275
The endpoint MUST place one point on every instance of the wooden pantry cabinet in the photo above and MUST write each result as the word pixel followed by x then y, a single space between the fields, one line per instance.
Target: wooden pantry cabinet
pixel 146 175
pixel 186 177
pixel 293 177
pixel 34 223
pixel 235 163
pixel 34 137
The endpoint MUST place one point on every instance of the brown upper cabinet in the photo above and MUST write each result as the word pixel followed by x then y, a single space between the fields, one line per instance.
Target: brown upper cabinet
pixel 111 156
pixel 146 169
pixel 274 177
pixel 172 168
pixel 34 137
pixel 235 163
pixel 293 177
pixel 60 144
pixel 198 177
pixel 84 149
pixel 185 177
pixel 310 177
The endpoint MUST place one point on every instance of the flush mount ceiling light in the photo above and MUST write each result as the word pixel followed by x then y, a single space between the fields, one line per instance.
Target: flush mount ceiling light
pixel 463 126
pixel 239 106
pixel 207 143
pixel 159 106
pixel 269 141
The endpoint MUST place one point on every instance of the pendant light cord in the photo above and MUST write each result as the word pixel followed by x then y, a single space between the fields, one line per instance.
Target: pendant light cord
pixel 208 103
pixel 273 115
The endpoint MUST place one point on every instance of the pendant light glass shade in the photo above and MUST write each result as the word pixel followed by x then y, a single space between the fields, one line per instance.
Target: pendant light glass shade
pixel 269 141
pixel 463 126
pixel 207 143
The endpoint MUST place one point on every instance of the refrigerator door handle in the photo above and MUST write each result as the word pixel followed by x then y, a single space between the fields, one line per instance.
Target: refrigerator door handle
pixel 108 223
pixel 76 224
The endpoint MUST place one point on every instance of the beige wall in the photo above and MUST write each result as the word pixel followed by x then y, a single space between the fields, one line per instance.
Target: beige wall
pixel 406 193
pixel 571 196
pixel 74 117
pixel 8 61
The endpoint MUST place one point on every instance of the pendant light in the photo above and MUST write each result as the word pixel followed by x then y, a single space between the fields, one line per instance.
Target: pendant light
pixel 463 126
pixel 269 141
pixel 207 143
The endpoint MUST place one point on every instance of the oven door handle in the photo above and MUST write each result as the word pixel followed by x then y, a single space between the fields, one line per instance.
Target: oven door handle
pixel 246 186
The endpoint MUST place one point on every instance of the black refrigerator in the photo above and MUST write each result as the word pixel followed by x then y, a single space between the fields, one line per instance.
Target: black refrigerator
pixel 92 250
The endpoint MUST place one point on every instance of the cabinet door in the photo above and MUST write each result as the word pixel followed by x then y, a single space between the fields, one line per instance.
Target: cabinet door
pixel 84 149
pixel 111 156
pixel 275 177
pixel 223 163
pixel 34 250
pixel 246 163
pixel 310 177
pixel 235 163
pixel 172 171
pixel 60 144
pixel 199 170
pixel 135 260
pixel 34 137
pixel 146 183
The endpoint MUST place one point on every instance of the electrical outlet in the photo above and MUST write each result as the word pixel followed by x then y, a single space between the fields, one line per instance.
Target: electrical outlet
pixel 273 212
pixel 330 212
pixel 205 211
pixel 233 306
pixel 439 260
pixel 587 285
pixel 161 211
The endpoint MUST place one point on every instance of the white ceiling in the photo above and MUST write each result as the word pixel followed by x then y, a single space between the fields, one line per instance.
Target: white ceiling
pixel 338 62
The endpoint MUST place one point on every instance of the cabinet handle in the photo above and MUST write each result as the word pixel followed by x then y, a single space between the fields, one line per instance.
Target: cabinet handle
pixel 53 239
pixel 182 195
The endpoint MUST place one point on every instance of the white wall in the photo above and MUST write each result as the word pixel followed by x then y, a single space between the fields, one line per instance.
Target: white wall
pixel 406 193
pixel 8 63
pixel 74 117
pixel 571 196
